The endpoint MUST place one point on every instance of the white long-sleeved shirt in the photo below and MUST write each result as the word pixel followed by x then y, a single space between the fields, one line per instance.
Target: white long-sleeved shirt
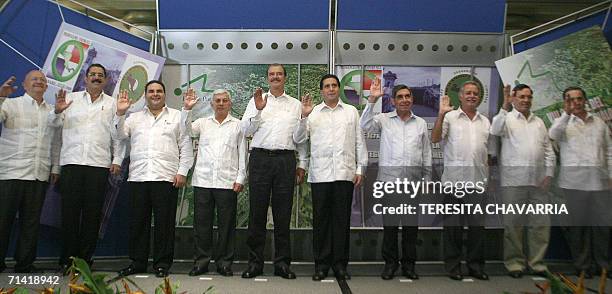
pixel 88 137
pixel 465 145
pixel 272 128
pixel 160 146
pixel 586 152
pixel 527 155
pixel 337 147
pixel 405 148
pixel 222 152
pixel 27 143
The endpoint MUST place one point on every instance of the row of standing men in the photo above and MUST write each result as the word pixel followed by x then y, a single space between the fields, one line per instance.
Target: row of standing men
pixel 92 125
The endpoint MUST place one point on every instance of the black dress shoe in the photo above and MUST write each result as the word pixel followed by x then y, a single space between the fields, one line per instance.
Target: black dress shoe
pixel 130 270
pixel 515 274
pixel 410 274
pixel 455 276
pixel 319 275
pixel 479 275
pixel 225 271
pixel 196 271
pixel 284 272
pixel 251 272
pixel 540 274
pixel 388 272
pixel 342 274
pixel 161 272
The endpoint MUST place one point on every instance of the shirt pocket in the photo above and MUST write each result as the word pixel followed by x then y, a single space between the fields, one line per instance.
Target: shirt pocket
pixel 231 141
pixel 483 135
pixel 79 115
pixel 456 133
pixel 170 134
pixel 106 114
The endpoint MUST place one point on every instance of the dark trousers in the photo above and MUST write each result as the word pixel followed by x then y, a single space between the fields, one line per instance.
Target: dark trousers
pixel 225 200
pixel 390 249
pixel 453 237
pixel 391 224
pixel 271 180
pixel 27 198
pixel 83 190
pixel 331 215
pixel 161 198
pixel 589 245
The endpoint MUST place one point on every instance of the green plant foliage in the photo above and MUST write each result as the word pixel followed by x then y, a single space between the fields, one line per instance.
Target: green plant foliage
pixel 161 288
pixel 210 290
pixel 95 282
pixel 556 285
pixel 310 75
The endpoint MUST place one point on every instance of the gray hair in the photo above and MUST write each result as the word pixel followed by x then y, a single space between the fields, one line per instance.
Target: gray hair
pixel 222 91
pixel 473 83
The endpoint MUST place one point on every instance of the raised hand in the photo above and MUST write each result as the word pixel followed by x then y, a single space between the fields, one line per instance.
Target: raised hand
pixel 445 105
pixel 260 101
pixel 60 101
pixel 190 99
pixel 508 94
pixel 7 87
pixel 375 91
pixel 306 105
pixel 123 102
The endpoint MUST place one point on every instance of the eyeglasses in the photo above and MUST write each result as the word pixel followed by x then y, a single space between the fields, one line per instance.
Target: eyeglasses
pixel 93 74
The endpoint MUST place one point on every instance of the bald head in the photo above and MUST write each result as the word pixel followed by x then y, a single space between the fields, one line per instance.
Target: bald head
pixel 35 84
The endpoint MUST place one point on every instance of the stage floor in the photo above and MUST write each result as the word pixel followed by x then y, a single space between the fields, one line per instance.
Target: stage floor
pixel 365 279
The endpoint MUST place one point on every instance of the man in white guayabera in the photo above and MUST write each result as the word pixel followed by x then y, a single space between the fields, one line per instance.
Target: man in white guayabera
pixel 29 151
pixel 464 134
pixel 527 168
pixel 219 175
pixel 161 155
pixel 90 150
pixel 271 119
pixel 338 156
pixel 585 176
pixel 405 153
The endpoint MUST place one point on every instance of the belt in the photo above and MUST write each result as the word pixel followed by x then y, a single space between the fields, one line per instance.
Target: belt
pixel 272 152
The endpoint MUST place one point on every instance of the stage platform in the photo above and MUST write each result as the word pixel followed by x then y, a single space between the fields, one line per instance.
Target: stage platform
pixel 365 279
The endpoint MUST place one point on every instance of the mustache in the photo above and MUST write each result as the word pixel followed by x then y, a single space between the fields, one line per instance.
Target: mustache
pixel 97 81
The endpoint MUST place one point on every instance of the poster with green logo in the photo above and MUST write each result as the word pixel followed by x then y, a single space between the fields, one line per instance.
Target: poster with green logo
pixel 580 59
pixel 75 49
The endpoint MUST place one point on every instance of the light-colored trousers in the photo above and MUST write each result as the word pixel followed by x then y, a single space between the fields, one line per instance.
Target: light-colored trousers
pixel 526 237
